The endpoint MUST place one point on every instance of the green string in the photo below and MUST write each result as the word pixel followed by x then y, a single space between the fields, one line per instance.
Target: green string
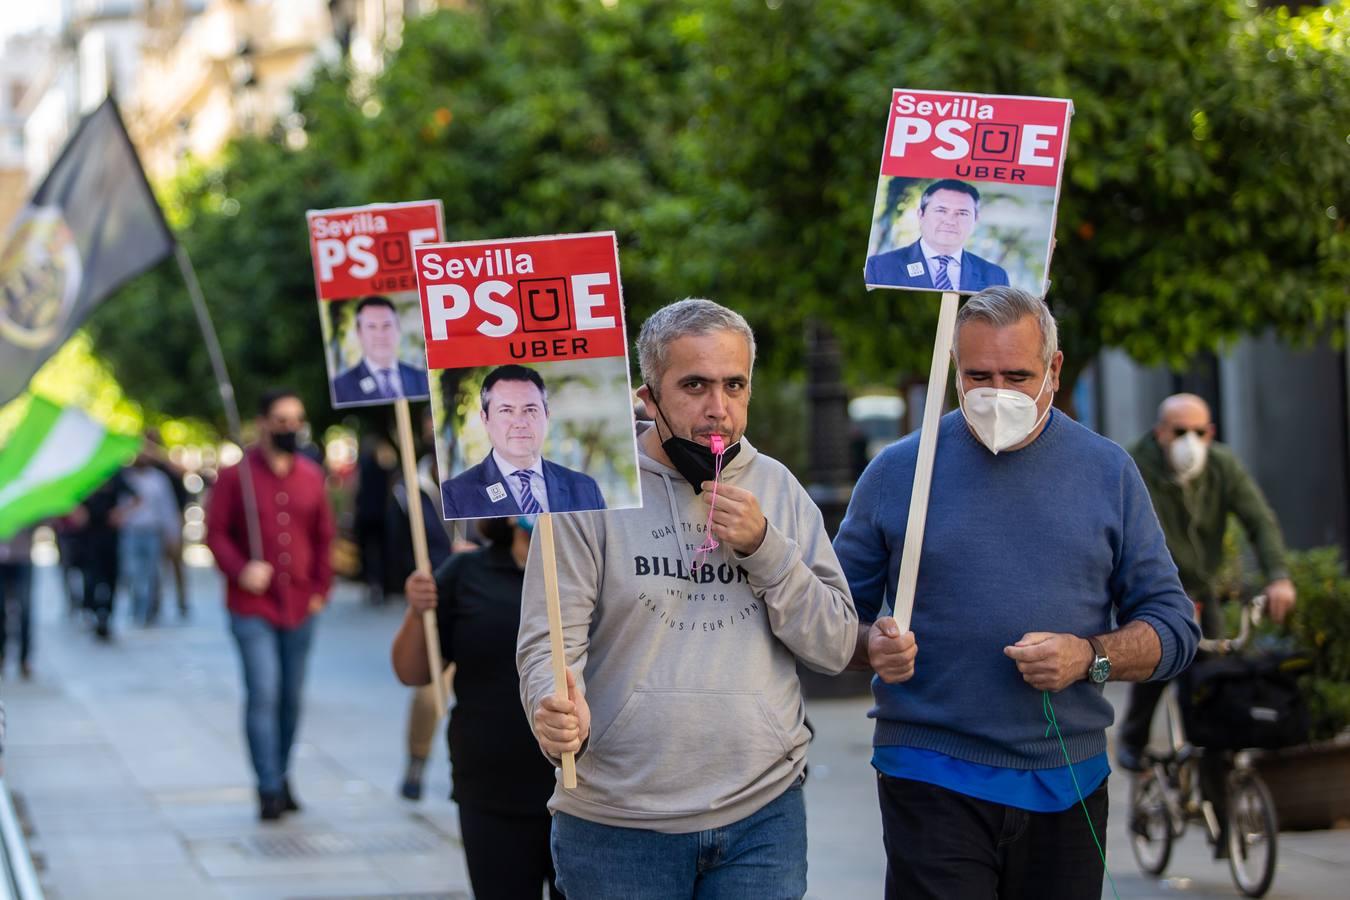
pixel 1049 711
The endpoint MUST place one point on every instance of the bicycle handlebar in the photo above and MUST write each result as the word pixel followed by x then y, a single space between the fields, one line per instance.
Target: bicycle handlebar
pixel 1252 610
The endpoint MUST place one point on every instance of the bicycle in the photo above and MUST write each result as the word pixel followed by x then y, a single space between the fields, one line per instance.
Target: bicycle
pixel 1167 794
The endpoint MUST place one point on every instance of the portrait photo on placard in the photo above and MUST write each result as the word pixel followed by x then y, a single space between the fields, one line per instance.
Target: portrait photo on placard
pixel 948 234
pixel 521 439
pixel 374 349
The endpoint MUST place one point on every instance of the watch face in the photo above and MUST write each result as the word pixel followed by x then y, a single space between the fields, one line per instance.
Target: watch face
pixel 1101 669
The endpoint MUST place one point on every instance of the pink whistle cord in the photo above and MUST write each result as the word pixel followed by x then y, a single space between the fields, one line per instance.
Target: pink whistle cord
pixel 710 543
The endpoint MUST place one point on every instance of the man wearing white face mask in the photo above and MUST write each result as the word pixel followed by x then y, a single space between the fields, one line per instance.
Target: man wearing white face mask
pixel 1196 484
pixel 1043 570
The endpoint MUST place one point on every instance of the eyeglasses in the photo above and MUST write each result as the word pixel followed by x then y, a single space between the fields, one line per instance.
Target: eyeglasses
pixel 1202 431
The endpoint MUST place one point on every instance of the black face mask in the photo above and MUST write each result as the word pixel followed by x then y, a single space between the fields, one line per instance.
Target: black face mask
pixel 691 459
pixel 285 441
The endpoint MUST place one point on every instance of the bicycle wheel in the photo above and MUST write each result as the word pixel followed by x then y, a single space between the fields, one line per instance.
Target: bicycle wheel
pixel 1150 824
pixel 1253 833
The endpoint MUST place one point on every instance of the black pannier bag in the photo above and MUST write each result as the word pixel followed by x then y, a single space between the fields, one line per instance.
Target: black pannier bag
pixel 1244 702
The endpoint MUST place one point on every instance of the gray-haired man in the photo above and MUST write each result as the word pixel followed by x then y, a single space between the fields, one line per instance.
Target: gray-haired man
pixel 1043 571
pixel 682 644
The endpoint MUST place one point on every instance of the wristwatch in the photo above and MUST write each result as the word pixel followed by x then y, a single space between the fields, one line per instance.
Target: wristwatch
pixel 1100 669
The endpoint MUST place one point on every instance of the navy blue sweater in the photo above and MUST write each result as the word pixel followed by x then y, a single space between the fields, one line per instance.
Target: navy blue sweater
pixel 1059 536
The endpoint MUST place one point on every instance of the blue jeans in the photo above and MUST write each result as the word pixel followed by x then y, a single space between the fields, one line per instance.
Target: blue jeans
pixel 139 553
pixel 761 857
pixel 273 662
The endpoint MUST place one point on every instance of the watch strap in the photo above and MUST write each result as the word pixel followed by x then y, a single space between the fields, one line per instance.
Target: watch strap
pixel 1098 651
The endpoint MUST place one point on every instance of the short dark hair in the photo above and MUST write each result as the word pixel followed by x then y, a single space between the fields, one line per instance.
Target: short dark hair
pixel 949 184
pixel 512 372
pixel 270 397
pixel 376 300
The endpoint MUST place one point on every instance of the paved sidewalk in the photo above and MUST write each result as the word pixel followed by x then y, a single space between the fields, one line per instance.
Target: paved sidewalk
pixel 128 763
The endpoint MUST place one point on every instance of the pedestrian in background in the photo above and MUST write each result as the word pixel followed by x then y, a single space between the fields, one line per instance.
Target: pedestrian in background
pixel 423 712
pixel 273 600
pixel 98 521
pixel 147 527
pixel 1196 483
pixel 374 466
pixel 501 781
pixel 173 542
pixel 16 598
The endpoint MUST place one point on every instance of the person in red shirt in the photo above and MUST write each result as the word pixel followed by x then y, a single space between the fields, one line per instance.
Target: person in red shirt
pixel 273 600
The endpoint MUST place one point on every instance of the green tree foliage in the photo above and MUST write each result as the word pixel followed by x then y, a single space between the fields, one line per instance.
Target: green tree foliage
pixel 734 146
pixel 1207 175
pixel 526 117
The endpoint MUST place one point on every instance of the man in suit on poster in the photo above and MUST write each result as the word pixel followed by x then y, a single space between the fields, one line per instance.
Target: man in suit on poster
pixel 380 375
pixel 938 260
pixel 514 479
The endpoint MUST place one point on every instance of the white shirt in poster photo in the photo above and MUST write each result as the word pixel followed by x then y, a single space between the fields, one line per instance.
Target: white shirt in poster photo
pixel 931 255
pixel 385 377
pixel 517 485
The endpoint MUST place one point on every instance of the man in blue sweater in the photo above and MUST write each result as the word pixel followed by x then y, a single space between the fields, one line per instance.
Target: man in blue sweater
pixel 1044 573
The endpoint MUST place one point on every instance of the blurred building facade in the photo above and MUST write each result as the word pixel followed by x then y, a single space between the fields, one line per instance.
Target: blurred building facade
pixel 188 74
pixel 23 76
pixel 214 69
pixel 227 70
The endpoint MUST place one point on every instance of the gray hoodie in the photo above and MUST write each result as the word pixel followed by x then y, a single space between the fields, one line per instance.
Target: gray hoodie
pixel 697 718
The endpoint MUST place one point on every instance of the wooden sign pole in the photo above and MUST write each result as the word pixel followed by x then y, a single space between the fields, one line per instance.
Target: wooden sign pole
pixel 421 558
pixel 923 467
pixel 555 634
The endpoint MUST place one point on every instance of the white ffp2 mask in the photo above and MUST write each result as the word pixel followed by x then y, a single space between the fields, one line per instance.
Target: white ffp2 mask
pixel 999 417
pixel 1187 455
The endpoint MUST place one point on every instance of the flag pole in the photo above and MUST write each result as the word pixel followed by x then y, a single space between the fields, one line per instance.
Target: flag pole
pixel 255 548
pixel 908 577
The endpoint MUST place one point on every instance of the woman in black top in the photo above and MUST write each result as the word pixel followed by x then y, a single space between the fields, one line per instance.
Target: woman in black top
pixel 501 781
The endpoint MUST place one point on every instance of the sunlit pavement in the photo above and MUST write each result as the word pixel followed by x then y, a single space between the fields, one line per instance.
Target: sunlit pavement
pixel 128 765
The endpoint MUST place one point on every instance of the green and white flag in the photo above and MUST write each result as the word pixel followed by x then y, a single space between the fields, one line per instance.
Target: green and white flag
pixel 55 458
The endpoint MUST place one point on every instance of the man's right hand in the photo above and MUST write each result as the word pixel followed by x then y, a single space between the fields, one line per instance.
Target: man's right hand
pixel 420 589
pixel 890 653
pixel 562 725
pixel 255 576
pixel 1280 599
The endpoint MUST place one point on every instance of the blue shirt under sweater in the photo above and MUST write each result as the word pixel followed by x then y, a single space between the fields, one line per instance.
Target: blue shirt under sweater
pixel 1037 790
pixel 1059 536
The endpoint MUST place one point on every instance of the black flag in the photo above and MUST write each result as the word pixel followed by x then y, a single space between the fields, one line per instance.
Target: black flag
pixel 91 226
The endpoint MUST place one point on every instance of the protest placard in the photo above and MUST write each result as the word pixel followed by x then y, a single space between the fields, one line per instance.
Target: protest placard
pixel 528 336
pixel 367 294
pixel 966 200
pixel 968 190
pixel 372 336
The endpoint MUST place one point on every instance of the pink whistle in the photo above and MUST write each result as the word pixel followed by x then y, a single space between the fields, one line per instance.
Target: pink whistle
pixel 718 445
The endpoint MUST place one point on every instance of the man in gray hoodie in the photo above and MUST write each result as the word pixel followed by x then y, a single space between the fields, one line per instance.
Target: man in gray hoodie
pixel 683 622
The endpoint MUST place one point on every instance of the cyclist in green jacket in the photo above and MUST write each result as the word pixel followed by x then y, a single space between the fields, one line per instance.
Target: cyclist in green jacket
pixel 1196 484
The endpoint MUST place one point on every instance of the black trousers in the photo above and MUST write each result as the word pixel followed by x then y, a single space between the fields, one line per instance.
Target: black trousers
pixel 98 573
pixel 941 845
pixel 1138 718
pixel 508 856
pixel 1144 695
pixel 16 590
